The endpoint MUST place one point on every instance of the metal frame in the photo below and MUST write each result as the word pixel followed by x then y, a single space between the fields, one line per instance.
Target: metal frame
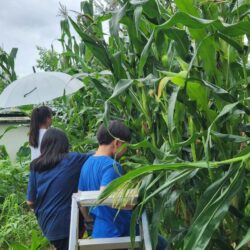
pixel 108 243
pixel 74 220
pixel 88 199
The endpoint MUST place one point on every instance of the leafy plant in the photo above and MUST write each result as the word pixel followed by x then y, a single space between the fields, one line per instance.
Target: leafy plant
pixel 177 72
pixel 17 222
pixel 7 67
pixel 37 242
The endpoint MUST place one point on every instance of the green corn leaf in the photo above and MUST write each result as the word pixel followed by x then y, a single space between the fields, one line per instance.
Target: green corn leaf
pixel 187 6
pixel 212 208
pixel 181 41
pixel 232 42
pixel 144 54
pixel 235 29
pixel 222 93
pixel 103 90
pixel 229 137
pixel 13 53
pixel 226 109
pixel 170 181
pixel 137 17
pixel 120 87
pixel 147 145
pixel 133 223
pixel 147 169
pixel 245 240
pixel 115 20
pixel 119 72
pixel 150 7
pixel 189 141
pixel 207 52
pixel 240 7
pixel 96 47
pixel 171 109
pixel 156 219
pixel 65 27
pixel 87 7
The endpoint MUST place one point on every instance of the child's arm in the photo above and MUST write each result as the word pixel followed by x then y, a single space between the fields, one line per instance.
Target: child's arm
pixel 31 191
pixel 85 212
pixel 88 220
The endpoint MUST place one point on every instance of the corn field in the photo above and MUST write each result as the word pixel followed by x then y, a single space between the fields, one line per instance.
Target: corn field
pixel 177 73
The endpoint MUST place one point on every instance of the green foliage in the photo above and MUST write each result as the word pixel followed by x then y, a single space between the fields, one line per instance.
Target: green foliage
pixel 37 242
pixel 48 59
pixel 7 67
pixel 3 153
pixel 17 222
pixel 13 179
pixel 177 72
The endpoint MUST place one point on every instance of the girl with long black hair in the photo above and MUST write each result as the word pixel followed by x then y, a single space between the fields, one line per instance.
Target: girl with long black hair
pixel 53 179
pixel 41 120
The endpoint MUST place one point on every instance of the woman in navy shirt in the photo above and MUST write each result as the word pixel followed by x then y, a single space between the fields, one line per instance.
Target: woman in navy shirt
pixel 53 179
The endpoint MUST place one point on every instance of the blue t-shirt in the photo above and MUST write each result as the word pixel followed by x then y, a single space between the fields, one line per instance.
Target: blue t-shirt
pixel 51 192
pixel 99 171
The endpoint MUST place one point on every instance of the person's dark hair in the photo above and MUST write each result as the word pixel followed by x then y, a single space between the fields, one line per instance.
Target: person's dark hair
pixel 38 117
pixel 115 129
pixel 54 147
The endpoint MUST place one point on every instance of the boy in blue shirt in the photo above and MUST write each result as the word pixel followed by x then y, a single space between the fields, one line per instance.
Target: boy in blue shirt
pixel 98 171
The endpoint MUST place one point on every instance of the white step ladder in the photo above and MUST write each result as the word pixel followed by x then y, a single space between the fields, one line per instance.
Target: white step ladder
pixel 88 199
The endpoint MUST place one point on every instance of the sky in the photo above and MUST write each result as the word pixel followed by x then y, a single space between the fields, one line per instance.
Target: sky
pixel 25 24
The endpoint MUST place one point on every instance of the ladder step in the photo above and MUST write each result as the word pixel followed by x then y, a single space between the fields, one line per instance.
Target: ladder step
pixel 108 243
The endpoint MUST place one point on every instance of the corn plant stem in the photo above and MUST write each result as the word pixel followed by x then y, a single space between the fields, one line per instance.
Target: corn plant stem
pixel 191 132
pixel 229 161
pixel 228 67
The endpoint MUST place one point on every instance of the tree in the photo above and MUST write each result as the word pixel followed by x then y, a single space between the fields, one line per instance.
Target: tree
pixel 48 59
